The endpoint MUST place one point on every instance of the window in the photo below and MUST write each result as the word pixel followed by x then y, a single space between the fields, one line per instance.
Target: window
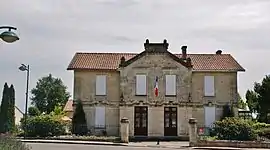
pixel 209 86
pixel 141 85
pixel 100 117
pixel 101 85
pixel 170 85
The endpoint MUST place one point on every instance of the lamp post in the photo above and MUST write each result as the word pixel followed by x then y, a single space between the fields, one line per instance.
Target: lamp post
pixel 9 36
pixel 23 67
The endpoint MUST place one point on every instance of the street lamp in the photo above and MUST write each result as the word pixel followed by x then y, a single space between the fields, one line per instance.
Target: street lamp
pixel 9 36
pixel 23 67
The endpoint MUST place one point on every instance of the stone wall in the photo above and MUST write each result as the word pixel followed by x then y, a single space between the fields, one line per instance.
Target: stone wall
pixel 238 144
pixel 85 86
pixel 111 120
pixel 155 65
pixel 225 87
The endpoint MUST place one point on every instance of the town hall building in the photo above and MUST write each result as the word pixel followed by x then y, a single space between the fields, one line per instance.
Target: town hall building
pixel 158 91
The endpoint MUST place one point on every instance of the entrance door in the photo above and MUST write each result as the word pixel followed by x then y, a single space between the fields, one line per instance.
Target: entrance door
pixel 141 121
pixel 170 121
pixel 209 116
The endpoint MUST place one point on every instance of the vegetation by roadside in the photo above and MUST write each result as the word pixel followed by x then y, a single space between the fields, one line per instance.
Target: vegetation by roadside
pixel 9 143
pixel 81 138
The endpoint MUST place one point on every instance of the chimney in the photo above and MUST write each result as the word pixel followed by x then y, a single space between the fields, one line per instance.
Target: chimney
pixel 184 52
pixel 156 47
pixel 219 52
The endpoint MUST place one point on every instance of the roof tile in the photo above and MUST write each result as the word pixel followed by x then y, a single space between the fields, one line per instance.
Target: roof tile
pixel 110 61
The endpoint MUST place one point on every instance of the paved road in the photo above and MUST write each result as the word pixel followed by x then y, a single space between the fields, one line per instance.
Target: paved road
pixel 47 146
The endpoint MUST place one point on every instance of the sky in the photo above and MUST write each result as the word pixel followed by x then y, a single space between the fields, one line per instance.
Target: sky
pixel 52 31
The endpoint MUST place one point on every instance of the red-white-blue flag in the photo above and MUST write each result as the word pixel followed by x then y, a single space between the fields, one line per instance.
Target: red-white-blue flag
pixel 156 86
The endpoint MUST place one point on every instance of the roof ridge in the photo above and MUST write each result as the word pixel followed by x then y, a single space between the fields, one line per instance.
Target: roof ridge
pixel 104 53
pixel 138 53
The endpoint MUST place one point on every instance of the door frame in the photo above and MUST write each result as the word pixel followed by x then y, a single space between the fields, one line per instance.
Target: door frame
pixel 171 131
pixel 141 131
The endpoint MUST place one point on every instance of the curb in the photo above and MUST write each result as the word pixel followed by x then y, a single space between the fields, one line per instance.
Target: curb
pixel 217 148
pixel 74 142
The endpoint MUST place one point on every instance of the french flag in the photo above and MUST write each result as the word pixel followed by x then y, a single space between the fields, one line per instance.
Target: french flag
pixel 156 86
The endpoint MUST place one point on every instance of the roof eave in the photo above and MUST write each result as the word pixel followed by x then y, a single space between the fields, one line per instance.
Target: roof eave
pixel 217 70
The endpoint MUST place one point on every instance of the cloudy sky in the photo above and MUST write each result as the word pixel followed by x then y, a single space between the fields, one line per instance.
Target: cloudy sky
pixel 52 31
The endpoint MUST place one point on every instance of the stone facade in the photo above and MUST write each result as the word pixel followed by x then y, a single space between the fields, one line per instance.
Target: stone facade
pixel 123 83
pixel 120 100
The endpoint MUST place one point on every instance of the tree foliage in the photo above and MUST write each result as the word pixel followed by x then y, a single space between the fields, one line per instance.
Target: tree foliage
pixel 227 111
pixel 241 103
pixel 33 111
pixel 79 126
pixel 48 93
pixel 258 99
pixel 7 113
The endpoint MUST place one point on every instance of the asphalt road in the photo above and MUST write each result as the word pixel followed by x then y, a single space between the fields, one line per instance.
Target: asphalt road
pixel 47 146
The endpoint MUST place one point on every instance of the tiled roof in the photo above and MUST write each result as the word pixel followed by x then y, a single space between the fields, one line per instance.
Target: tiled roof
pixel 110 61
pixel 68 106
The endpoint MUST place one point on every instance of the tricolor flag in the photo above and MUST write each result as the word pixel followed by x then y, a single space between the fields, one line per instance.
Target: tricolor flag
pixel 156 86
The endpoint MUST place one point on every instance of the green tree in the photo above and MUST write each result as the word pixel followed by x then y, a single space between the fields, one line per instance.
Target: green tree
pixel 252 101
pixel 33 111
pixel 4 107
pixel 79 126
pixel 259 99
pixel 11 109
pixel 48 93
pixel 241 103
pixel 7 115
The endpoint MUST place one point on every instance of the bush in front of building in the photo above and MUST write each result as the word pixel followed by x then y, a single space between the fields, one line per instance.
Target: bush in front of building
pixel 44 126
pixel 233 128
pixel 79 126
pixel 9 143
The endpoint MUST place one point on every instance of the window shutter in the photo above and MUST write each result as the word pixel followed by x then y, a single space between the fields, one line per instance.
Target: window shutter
pixel 209 86
pixel 101 85
pixel 141 85
pixel 170 84
pixel 100 117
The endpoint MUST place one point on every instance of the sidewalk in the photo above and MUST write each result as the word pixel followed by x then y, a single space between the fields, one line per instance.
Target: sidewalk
pixel 73 142
pixel 171 145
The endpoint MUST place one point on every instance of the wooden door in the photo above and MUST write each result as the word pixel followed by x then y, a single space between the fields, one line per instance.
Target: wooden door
pixel 140 121
pixel 170 121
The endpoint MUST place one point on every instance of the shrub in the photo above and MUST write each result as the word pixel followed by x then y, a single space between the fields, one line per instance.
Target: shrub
pixel 259 125
pixel 264 133
pixel 227 111
pixel 8 143
pixel 44 126
pixel 79 126
pixel 33 111
pixel 233 128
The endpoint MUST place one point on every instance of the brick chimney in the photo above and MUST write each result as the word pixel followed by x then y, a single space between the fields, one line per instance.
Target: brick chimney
pixel 156 47
pixel 184 52
pixel 219 52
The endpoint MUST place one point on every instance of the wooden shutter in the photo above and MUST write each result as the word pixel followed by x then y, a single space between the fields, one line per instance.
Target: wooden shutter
pixel 209 116
pixel 141 85
pixel 100 117
pixel 101 85
pixel 209 86
pixel 170 84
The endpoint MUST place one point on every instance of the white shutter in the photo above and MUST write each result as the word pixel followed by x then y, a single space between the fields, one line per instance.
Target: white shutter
pixel 209 86
pixel 209 116
pixel 101 85
pixel 141 85
pixel 100 117
pixel 170 84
